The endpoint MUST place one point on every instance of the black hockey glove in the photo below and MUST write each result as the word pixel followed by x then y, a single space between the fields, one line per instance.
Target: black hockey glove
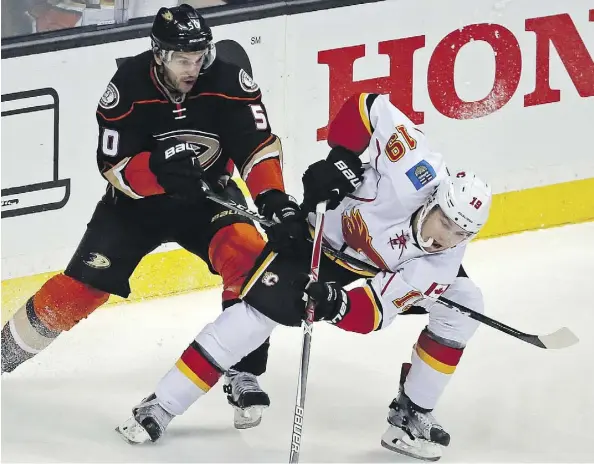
pixel 177 168
pixel 331 179
pixel 289 234
pixel 332 301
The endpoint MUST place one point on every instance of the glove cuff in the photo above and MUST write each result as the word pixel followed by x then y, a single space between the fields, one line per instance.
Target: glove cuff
pixel 343 305
pixel 141 179
pixel 338 152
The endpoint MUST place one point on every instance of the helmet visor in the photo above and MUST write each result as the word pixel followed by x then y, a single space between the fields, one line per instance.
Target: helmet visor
pixel 185 63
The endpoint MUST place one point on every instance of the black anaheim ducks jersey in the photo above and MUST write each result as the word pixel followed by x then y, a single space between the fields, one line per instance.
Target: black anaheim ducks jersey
pixel 223 115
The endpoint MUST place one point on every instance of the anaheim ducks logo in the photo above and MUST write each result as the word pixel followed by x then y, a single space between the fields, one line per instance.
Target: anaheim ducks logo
pixel 205 145
pixel 356 235
pixel 98 261
pixel 167 15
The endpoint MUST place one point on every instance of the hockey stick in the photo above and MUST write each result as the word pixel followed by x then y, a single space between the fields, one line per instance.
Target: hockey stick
pixel 238 208
pixel 561 338
pixel 316 255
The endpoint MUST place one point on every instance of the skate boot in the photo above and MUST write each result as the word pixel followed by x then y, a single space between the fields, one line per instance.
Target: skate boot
pixel 246 397
pixel 148 422
pixel 413 431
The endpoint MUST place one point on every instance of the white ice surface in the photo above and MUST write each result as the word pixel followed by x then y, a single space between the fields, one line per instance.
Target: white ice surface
pixel 507 402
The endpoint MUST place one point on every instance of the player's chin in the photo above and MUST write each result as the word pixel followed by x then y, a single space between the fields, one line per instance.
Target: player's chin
pixel 185 85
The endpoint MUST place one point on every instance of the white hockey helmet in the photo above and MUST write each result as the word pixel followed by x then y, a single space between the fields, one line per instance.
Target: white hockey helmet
pixel 463 198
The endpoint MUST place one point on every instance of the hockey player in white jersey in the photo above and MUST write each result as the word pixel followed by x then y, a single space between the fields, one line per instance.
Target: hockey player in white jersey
pixel 402 212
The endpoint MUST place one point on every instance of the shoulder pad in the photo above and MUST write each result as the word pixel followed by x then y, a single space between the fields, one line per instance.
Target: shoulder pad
pixel 131 82
pixel 232 81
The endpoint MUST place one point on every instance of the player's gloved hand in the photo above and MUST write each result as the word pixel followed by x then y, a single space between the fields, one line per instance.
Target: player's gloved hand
pixel 331 179
pixel 289 234
pixel 177 168
pixel 332 301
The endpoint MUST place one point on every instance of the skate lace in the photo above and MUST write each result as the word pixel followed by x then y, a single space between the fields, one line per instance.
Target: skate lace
pixel 424 422
pixel 152 408
pixel 244 382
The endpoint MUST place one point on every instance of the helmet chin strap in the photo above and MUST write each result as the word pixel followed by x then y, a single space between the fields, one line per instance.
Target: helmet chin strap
pixel 423 243
pixel 427 243
pixel 420 220
pixel 170 88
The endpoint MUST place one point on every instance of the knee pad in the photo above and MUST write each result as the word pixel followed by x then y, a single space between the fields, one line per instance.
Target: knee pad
pixel 468 294
pixel 450 324
pixel 232 252
pixel 63 301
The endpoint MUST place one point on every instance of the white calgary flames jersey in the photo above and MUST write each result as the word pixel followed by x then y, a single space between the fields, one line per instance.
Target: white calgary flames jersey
pixel 375 222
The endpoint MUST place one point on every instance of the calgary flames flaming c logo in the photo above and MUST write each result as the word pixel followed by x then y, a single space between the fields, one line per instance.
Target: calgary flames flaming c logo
pixel 356 235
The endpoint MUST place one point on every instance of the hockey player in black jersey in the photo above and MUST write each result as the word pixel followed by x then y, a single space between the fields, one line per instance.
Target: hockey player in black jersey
pixel 171 119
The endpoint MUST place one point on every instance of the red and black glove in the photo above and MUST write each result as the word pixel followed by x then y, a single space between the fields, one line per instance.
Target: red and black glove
pixel 332 301
pixel 176 166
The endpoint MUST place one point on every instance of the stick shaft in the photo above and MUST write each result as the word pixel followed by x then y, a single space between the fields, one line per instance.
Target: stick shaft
pixel 316 255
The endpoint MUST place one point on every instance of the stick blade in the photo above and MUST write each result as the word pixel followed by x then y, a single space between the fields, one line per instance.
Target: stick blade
pixel 562 338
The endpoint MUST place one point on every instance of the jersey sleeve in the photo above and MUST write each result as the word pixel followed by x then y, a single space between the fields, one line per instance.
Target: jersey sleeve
pixel 376 302
pixel 398 150
pixel 123 147
pixel 351 128
pixel 247 138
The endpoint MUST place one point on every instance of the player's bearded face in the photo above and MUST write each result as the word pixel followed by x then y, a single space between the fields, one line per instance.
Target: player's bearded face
pixel 444 232
pixel 182 68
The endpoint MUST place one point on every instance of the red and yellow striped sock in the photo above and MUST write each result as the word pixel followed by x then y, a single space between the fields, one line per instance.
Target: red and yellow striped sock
pixel 194 365
pixel 440 357
pixel 192 376
pixel 433 364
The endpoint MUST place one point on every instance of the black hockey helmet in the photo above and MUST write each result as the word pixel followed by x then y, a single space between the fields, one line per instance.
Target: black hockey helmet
pixel 180 29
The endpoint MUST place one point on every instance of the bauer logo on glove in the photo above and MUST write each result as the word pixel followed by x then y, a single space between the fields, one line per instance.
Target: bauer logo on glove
pixel 348 173
pixel 332 301
pixel 332 179
pixel 181 147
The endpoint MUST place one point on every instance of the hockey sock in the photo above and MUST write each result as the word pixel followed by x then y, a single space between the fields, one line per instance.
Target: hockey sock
pixel 433 363
pixel 60 303
pixel 193 375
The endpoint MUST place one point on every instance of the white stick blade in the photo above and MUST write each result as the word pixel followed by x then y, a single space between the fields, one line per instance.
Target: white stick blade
pixel 562 338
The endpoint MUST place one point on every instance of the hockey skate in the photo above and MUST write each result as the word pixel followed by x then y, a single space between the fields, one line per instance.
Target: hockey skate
pixel 148 422
pixel 246 397
pixel 413 431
